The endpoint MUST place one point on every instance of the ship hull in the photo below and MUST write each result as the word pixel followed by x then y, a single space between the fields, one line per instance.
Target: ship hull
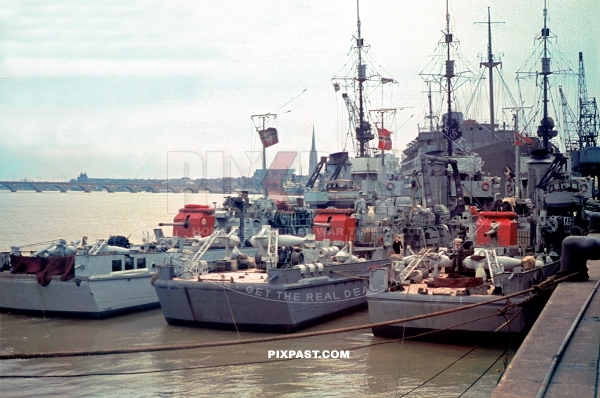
pixel 485 322
pixel 80 297
pixel 386 306
pixel 264 306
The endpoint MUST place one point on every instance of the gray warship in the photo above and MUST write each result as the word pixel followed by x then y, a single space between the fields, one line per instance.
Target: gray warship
pixel 513 248
pixel 360 204
pixel 357 211
pixel 294 281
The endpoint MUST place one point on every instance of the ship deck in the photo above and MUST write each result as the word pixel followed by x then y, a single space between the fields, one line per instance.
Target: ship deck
pixel 251 275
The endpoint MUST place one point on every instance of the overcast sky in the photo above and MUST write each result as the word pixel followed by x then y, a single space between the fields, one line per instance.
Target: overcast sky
pixel 135 89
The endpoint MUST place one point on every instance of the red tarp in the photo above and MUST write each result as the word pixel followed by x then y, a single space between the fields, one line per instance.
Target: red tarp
pixel 457 282
pixel 44 267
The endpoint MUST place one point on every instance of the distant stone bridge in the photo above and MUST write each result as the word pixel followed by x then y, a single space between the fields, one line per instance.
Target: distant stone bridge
pixel 40 186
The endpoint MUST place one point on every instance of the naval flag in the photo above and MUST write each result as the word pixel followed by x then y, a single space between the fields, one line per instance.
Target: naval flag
pixel 385 139
pixel 268 137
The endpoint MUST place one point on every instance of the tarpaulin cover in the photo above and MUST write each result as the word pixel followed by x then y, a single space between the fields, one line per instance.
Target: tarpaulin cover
pixel 457 282
pixel 44 267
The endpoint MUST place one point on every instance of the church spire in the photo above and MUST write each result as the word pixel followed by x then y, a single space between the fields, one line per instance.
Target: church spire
pixel 312 160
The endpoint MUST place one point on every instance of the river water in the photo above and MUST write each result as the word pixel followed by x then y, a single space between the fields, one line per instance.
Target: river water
pixel 376 366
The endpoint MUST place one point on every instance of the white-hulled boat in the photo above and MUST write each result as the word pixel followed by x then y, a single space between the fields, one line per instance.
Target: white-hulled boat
pixel 106 278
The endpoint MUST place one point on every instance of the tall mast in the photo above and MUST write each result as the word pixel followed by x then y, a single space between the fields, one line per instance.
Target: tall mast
pixel 546 126
pixel 449 75
pixel 430 117
pixel 491 64
pixel 363 130
pixel 264 118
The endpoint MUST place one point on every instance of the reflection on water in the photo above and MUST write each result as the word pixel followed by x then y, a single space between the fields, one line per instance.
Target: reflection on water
pixel 383 370
pixel 380 370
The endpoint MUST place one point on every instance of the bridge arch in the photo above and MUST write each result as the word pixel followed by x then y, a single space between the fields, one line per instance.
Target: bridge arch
pixel 36 187
pixel 61 188
pixel 125 188
pixel 104 187
pixel 189 190
pixel 146 188
pixel 167 188
pixel 83 188
pixel 12 189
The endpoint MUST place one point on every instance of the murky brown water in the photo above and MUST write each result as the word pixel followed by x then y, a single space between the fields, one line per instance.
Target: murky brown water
pixel 389 369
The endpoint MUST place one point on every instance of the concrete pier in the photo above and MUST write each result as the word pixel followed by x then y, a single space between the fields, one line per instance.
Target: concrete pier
pixel 577 372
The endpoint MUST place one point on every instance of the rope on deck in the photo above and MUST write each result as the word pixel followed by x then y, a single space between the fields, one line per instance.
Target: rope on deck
pixel 548 283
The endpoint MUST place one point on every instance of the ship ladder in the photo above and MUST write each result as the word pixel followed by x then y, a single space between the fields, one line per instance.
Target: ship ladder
pixel 198 256
pixel 413 264
pixel 492 260
pixel 273 243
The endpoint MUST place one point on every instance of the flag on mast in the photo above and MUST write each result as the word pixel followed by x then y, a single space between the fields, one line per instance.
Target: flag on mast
pixel 385 139
pixel 523 139
pixel 268 137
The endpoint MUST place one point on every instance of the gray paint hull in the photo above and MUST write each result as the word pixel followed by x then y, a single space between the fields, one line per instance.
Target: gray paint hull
pixel 87 297
pixel 264 307
pixel 461 327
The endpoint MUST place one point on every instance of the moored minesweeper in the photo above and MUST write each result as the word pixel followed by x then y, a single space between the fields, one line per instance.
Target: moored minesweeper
pixel 509 252
pixel 287 289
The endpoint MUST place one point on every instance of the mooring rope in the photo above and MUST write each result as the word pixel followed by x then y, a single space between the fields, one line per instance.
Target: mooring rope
pixel 463 356
pixel 139 372
pixel 62 354
pixel 484 373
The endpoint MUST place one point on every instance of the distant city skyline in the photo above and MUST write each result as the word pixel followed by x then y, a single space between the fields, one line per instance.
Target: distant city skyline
pixel 139 89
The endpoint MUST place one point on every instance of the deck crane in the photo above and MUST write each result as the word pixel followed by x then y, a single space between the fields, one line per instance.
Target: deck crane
pixel 586 154
pixel 570 135
pixel 355 122
pixel 587 125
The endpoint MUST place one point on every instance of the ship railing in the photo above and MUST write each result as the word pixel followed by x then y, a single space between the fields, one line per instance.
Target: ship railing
pixel 98 245
pixel 196 260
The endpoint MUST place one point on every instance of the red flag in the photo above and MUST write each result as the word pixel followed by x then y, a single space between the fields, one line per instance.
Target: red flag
pixel 268 137
pixel 522 139
pixel 385 139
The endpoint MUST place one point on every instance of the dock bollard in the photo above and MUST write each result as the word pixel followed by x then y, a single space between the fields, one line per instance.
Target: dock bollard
pixel 594 222
pixel 576 251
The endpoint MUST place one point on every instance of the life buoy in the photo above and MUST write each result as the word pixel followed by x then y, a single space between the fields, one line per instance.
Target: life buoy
pixel 390 186
pixel 485 186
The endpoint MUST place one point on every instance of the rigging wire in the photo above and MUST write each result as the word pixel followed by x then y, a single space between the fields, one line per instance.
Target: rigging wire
pixel 484 373
pixel 462 356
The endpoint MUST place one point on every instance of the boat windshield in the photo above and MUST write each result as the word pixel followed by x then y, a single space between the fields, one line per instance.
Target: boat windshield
pixel 565 186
